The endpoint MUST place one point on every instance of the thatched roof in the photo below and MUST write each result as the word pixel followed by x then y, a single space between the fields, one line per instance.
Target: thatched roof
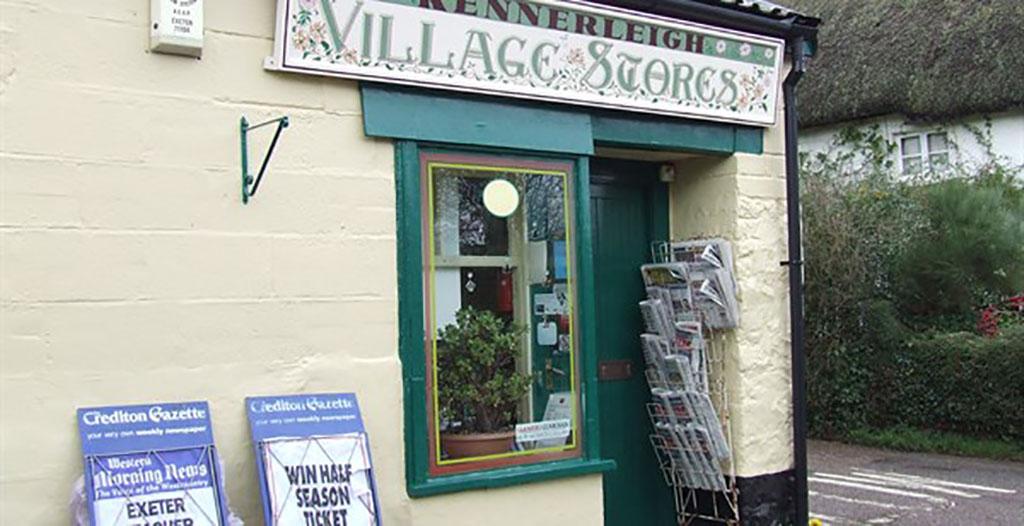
pixel 928 59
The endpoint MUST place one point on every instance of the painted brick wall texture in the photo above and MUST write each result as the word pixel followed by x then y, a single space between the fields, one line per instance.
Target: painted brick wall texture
pixel 743 198
pixel 131 271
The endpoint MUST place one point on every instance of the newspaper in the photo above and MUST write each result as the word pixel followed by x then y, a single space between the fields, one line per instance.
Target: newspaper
pixel 708 267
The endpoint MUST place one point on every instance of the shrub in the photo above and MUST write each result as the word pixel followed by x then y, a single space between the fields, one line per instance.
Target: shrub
pixel 856 219
pixel 970 254
pixel 839 382
pixel 961 382
pixel 891 264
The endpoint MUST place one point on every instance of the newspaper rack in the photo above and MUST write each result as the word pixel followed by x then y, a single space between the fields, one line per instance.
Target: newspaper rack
pixel 690 293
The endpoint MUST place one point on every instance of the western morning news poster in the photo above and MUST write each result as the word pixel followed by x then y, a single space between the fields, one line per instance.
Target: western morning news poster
pixel 314 461
pixel 151 465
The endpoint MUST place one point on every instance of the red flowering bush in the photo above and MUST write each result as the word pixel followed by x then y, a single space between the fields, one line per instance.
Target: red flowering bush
pixel 1006 313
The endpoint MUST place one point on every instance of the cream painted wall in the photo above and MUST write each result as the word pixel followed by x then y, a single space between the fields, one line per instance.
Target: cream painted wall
pixel 743 199
pixel 131 272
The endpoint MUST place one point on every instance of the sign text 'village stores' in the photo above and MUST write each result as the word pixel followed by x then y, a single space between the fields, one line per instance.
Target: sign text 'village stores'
pixel 563 51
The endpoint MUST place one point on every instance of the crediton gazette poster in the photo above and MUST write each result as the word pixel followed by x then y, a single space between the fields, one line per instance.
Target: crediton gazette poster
pixel 151 465
pixel 314 461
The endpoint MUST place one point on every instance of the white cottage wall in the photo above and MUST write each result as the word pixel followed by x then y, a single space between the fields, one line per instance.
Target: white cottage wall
pixel 1005 131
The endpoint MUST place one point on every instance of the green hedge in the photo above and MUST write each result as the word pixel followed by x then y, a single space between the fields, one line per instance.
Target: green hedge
pixel 961 382
pixel 957 382
pixel 897 270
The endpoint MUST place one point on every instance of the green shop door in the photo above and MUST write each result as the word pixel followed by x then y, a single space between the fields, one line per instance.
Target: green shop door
pixel 629 210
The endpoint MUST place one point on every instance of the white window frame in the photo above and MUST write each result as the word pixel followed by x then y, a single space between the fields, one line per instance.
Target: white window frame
pixel 926 152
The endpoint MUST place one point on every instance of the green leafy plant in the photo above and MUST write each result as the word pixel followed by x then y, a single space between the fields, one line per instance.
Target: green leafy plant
pixel 972 252
pixel 897 267
pixel 477 378
pixel 955 382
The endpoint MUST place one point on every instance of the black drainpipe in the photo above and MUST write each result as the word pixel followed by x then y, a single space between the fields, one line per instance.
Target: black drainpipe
pixel 796 285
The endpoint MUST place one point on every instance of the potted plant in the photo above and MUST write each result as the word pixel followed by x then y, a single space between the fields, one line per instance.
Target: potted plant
pixel 479 386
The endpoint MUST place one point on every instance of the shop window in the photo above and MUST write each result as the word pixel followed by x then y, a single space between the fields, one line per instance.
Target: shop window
pixel 500 317
pixel 924 152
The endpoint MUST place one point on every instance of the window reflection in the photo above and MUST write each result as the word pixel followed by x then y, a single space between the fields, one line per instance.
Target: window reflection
pixel 508 281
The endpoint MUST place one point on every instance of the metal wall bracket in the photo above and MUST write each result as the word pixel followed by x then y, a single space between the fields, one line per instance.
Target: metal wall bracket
pixel 250 184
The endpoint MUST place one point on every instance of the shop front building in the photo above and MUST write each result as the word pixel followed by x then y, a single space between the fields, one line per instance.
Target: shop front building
pixel 441 206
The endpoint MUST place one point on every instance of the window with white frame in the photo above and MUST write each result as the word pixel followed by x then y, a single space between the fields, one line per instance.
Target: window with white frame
pixel 922 152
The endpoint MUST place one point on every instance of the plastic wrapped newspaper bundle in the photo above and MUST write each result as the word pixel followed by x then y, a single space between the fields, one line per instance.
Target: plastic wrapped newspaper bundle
pixel 688 434
pixel 709 265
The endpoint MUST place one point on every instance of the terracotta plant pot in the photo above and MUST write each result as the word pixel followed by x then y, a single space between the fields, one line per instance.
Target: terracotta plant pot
pixel 477 444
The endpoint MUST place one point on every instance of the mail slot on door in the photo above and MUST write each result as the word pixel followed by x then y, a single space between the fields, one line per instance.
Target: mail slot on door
pixel 612 370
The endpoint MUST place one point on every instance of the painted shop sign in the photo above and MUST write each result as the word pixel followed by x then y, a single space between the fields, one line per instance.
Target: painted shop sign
pixel 564 51
pixel 152 465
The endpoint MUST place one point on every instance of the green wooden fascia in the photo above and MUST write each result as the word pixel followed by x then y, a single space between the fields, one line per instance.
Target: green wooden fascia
pixel 410 341
pixel 414 114
pixel 749 140
pixel 407 113
pixel 647 132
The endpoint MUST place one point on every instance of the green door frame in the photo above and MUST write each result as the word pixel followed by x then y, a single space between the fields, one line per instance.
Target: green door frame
pixel 415 119
pixel 410 307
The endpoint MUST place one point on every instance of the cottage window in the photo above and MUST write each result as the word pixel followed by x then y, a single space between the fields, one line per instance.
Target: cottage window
pixel 500 320
pixel 924 152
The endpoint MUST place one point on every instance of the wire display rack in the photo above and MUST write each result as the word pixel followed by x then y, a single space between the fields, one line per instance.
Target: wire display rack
pixel 685 369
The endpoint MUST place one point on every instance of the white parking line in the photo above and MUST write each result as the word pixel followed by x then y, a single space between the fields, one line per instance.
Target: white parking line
pixel 940 482
pixel 880 489
pixel 912 484
pixel 886 505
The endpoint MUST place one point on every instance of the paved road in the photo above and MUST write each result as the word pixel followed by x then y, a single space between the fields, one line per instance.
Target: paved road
pixel 859 485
